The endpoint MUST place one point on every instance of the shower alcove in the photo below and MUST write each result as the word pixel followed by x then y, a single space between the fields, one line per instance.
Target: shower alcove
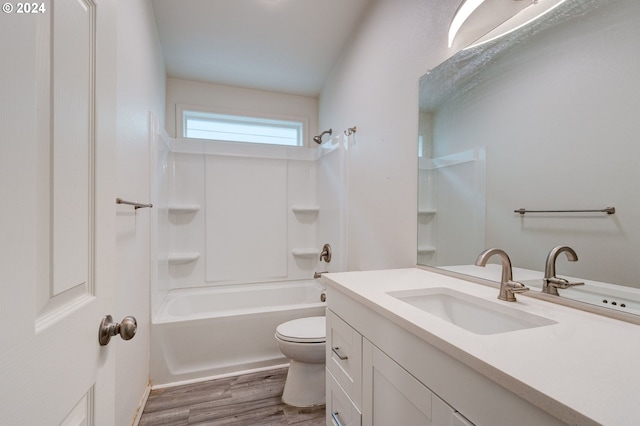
pixel 246 219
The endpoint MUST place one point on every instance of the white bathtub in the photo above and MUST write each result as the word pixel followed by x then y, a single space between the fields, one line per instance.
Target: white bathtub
pixel 206 332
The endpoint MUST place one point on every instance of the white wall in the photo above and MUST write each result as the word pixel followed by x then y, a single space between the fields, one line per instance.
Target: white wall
pixel 374 86
pixel 559 119
pixel 141 86
pixel 239 99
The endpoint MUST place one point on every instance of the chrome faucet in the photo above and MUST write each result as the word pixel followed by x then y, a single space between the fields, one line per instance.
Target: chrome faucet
pixel 508 287
pixel 551 283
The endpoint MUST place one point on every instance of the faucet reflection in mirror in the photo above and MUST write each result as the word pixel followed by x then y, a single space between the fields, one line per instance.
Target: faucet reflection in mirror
pixel 562 94
pixel 551 283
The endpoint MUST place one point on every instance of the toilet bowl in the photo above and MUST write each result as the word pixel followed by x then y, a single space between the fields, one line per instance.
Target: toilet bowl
pixel 303 342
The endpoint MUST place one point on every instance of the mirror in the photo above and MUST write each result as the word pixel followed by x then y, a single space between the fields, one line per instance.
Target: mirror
pixel 544 118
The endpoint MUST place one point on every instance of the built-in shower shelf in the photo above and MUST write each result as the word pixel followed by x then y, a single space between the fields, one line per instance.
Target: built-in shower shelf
pixel 183 208
pixel 426 250
pixel 426 212
pixel 180 258
pixel 305 209
pixel 305 252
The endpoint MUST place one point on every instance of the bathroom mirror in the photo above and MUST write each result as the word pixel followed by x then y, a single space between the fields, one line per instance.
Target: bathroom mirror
pixel 544 118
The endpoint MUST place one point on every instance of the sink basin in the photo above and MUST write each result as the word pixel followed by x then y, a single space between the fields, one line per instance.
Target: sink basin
pixel 471 313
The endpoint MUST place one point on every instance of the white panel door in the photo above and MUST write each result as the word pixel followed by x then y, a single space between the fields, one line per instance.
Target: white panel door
pixel 57 212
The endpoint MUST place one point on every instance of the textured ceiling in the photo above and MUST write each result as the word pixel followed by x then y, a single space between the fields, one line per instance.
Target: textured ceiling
pixel 284 46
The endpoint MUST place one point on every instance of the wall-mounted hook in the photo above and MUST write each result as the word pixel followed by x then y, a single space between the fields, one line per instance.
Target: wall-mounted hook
pixel 350 131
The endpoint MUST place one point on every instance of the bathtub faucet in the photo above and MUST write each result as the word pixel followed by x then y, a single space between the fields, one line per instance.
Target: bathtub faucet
pixel 319 274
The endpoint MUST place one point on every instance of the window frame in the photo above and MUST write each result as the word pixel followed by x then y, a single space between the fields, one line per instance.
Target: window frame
pixel 242 115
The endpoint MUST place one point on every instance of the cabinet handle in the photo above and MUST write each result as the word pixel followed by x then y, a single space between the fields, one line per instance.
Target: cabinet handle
pixel 336 419
pixel 336 351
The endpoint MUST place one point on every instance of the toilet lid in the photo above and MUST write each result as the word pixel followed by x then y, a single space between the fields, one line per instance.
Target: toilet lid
pixel 303 330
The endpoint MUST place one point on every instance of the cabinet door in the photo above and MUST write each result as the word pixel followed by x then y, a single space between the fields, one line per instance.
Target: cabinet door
pixel 392 396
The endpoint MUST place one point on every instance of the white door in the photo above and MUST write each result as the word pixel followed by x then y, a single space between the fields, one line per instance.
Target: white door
pixel 57 211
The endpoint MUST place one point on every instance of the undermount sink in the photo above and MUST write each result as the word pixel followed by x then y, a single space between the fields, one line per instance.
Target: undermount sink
pixel 469 312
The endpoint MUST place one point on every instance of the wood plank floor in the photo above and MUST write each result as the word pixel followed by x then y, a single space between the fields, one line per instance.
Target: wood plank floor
pixel 251 399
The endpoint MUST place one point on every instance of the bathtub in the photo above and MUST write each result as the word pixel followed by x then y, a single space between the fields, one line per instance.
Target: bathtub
pixel 206 332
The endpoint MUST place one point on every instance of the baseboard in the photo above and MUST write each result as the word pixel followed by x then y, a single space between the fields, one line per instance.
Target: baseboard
pixel 143 402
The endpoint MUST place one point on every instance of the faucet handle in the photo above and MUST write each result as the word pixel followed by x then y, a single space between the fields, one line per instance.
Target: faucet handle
pixel 516 287
pixel 509 289
pixel 561 283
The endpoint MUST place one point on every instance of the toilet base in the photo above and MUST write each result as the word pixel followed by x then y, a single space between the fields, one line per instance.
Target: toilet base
pixel 305 385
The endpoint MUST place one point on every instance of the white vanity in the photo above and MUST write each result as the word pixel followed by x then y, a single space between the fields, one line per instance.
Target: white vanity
pixel 393 359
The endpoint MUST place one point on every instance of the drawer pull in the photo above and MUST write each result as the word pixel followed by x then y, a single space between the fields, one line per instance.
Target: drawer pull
pixel 340 355
pixel 336 419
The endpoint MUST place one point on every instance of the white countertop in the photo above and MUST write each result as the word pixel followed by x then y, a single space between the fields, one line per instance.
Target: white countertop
pixel 587 363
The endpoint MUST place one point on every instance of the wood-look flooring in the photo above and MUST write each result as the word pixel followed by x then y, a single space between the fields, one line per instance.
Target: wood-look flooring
pixel 251 399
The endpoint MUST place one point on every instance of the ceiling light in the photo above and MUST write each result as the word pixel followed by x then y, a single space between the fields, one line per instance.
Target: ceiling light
pixel 465 10
pixel 479 21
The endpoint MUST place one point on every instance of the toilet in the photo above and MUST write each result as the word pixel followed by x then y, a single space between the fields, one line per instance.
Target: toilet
pixel 303 342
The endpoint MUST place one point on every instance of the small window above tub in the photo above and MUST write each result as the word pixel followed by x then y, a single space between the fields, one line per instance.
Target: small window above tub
pixel 200 123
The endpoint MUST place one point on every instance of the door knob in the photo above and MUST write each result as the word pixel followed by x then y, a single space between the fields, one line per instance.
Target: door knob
pixel 126 329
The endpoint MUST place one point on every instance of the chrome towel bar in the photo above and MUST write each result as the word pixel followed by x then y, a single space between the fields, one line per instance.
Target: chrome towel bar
pixel 135 204
pixel 607 210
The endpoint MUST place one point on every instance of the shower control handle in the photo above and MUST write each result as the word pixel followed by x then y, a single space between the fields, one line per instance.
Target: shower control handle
pixel 126 329
pixel 326 253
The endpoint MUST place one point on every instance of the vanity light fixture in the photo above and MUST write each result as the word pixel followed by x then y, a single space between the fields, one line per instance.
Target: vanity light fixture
pixel 465 10
pixel 479 21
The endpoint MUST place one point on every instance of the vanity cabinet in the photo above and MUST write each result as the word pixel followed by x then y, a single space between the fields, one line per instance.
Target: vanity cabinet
pixel 366 387
pixel 380 374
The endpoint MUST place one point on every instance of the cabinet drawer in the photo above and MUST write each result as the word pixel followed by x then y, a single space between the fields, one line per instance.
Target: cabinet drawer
pixel 344 356
pixel 341 411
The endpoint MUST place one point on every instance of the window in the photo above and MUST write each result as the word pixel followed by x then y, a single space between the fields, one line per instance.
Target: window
pixel 235 128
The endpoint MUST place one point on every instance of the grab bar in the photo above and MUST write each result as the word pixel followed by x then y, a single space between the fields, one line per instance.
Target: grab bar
pixel 607 210
pixel 135 204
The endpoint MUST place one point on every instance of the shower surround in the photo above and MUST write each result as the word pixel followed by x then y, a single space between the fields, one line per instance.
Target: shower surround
pixel 238 218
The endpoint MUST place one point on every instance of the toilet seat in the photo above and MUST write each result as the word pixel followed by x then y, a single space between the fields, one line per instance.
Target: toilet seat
pixel 303 330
